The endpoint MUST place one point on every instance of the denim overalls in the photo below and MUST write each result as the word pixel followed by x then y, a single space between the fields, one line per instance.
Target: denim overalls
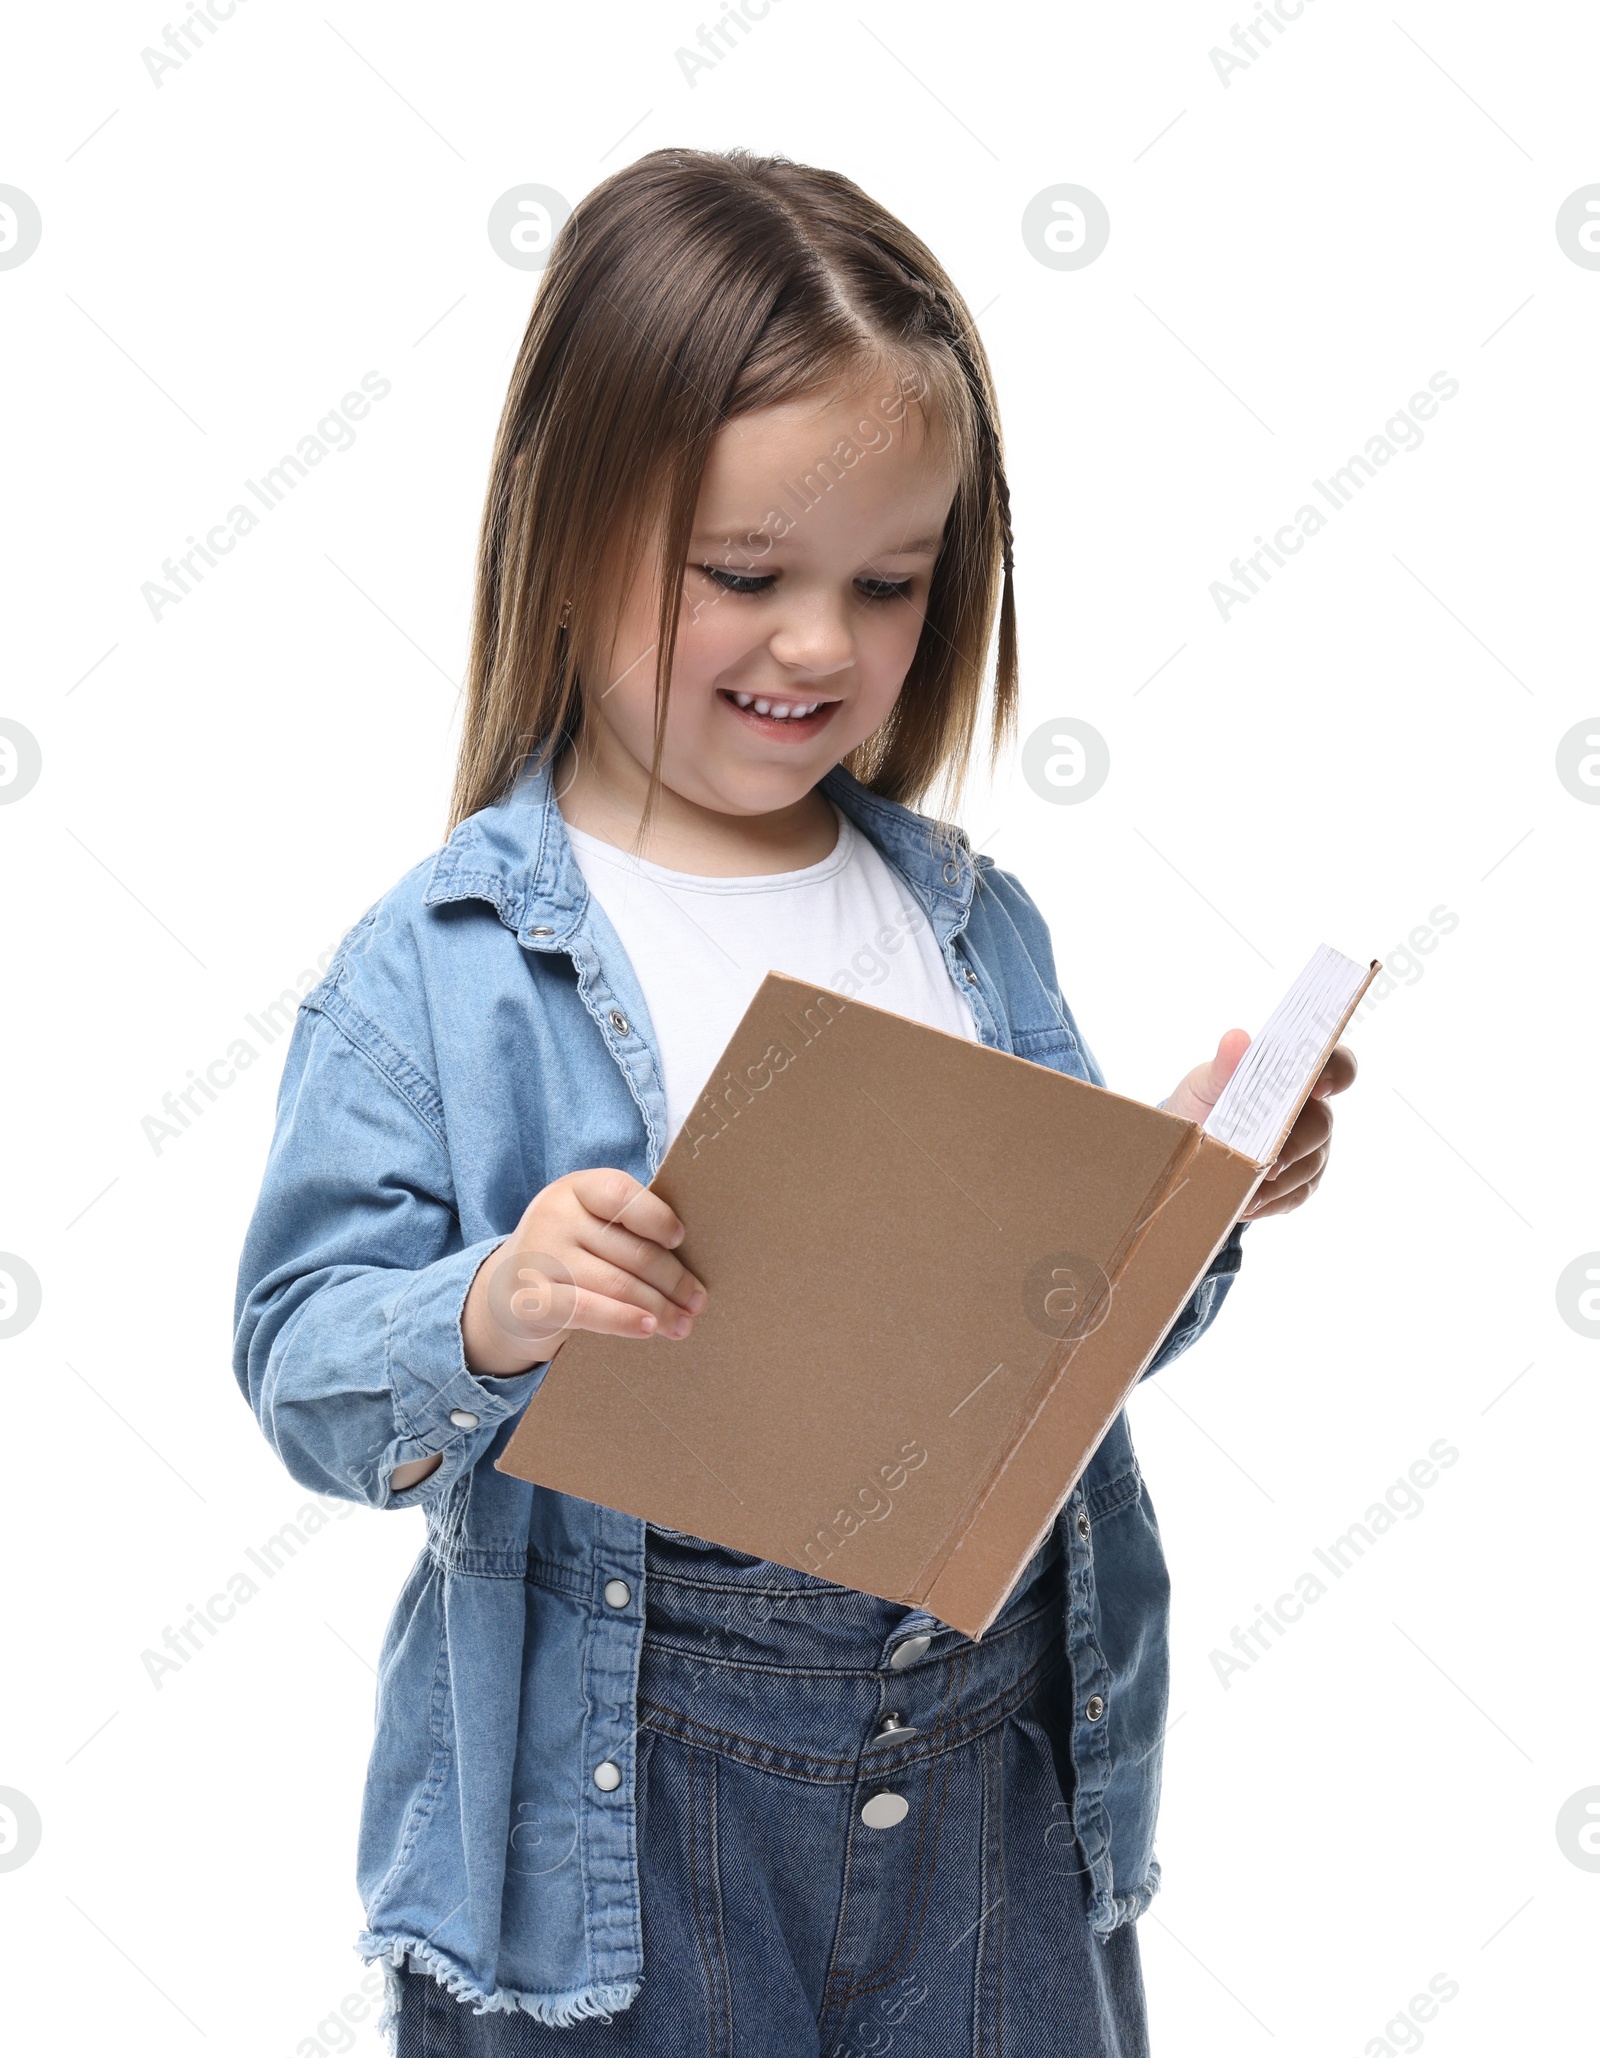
pixel 855 1833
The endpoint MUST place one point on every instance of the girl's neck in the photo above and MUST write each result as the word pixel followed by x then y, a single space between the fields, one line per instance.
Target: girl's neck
pixel 607 801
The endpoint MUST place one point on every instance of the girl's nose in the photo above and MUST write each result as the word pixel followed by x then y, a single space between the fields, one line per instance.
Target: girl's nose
pixel 815 639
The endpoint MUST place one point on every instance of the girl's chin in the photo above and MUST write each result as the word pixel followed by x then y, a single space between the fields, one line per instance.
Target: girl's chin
pixel 721 782
pixel 742 790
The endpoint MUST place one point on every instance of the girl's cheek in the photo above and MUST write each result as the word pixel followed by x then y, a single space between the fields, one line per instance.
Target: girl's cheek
pixel 709 652
pixel 889 647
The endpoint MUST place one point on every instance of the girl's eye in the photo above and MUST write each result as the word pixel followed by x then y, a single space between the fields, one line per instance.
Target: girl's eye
pixel 737 582
pixel 751 583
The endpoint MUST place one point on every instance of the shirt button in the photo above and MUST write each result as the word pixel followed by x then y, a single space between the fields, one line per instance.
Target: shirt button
pixel 1094 1708
pixel 891 1725
pixel 542 930
pixel 618 1593
pixel 951 874
pixel 972 977
pixel 619 1021
pixel 463 1418
pixel 1083 1525
pixel 908 1653
pixel 883 1811
pixel 608 1777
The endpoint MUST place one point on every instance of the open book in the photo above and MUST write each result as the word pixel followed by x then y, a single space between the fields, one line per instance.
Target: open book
pixel 935 1273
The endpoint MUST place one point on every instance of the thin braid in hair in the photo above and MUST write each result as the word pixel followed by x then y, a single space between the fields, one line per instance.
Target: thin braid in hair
pixel 940 323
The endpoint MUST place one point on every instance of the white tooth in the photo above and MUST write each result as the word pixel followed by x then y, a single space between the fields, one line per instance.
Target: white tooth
pixel 742 699
pixel 781 711
pixel 763 707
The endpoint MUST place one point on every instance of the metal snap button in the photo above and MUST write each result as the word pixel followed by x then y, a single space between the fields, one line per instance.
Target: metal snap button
pixel 619 1021
pixel 463 1418
pixel 618 1593
pixel 951 874
pixel 909 1652
pixel 608 1777
pixel 1083 1525
pixel 891 1725
pixel 883 1811
pixel 542 930
pixel 972 977
pixel 1094 1707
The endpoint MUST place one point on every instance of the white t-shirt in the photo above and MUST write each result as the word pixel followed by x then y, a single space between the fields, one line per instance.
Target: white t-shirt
pixel 700 947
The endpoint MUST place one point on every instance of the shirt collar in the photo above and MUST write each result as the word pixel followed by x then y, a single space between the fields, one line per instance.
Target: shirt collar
pixel 516 855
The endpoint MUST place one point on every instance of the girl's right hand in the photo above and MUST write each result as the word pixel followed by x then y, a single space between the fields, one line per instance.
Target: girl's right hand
pixel 593 1251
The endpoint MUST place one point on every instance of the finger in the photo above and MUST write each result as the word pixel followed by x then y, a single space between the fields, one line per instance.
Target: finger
pixel 1314 1123
pixel 1263 1207
pixel 1294 1175
pixel 615 1196
pixel 602 1316
pixel 1231 1047
pixel 647 1261
pixel 1337 1073
pixel 1312 1127
pixel 1299 1174
pixel 605 1281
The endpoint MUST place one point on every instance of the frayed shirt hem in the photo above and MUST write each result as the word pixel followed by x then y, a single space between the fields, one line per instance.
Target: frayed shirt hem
pixel 1111 1912
pixel 559 2011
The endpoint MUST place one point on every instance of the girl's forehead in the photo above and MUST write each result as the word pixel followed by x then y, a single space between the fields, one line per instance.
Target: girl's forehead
pixel 871 415
pixel 856 459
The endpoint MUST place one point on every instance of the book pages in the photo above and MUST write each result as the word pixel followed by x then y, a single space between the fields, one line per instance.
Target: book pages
pixel 1282 1062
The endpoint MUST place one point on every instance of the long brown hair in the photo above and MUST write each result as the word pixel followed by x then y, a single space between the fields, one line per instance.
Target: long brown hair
pixel 689 289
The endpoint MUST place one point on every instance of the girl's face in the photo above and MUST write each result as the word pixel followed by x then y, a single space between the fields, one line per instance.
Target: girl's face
pixel 815 537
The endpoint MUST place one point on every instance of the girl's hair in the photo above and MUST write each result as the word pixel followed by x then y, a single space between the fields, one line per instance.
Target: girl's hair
pixel 687 290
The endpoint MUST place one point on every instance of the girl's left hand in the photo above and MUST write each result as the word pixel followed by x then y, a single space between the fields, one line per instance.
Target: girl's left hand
pixel 1297 1171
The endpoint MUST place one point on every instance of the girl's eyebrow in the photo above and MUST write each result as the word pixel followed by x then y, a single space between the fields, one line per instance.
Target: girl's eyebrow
pixel 759 534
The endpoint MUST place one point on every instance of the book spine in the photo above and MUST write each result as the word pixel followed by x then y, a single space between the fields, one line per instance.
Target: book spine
pixel 1173 1178
pixel 1178 1235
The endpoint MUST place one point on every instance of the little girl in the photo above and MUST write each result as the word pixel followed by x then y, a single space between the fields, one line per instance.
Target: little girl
pixel 747 529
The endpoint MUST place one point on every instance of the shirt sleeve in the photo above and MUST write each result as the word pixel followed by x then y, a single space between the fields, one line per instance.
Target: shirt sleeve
pixel 348 1339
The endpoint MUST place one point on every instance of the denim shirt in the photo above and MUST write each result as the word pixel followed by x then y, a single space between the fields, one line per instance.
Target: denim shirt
pixel 478 1034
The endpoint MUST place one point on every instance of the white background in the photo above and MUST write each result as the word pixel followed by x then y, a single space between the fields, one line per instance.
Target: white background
pixel 1373 736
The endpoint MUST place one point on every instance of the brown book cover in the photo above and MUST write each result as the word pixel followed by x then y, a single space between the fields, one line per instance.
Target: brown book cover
pixel 935 1273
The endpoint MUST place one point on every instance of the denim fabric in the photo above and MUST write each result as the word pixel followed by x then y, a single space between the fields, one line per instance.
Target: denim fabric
pixel 778 1923
pixel 478 1034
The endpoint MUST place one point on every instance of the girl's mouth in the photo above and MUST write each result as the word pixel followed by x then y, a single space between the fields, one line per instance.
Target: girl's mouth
pixel 783 716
